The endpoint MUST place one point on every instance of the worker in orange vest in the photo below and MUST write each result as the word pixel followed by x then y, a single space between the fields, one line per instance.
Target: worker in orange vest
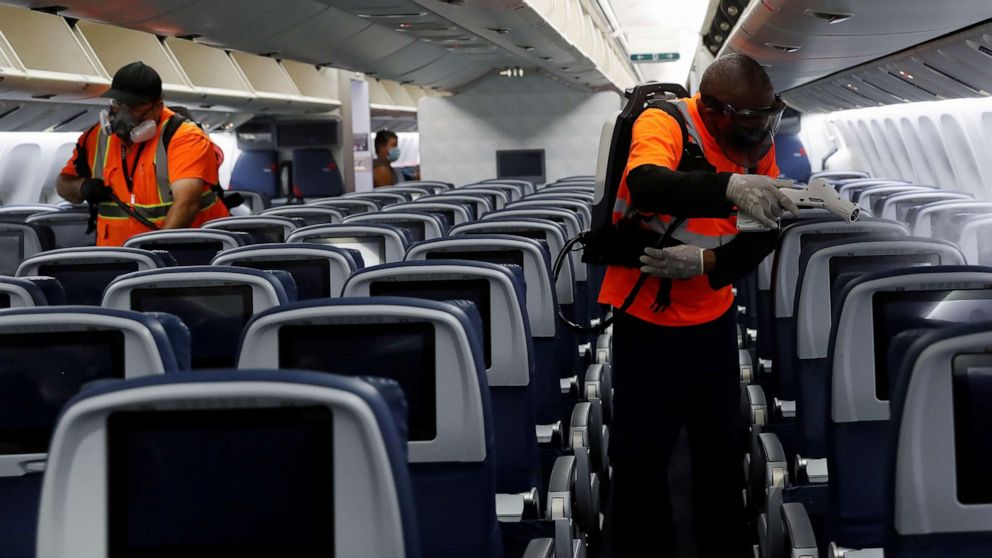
pixel 143 166
pixel 675 356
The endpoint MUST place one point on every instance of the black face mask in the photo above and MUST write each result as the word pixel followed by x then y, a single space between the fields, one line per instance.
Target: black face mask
pixel 746 135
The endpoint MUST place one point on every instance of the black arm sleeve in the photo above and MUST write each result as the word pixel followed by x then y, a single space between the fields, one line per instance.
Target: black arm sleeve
pixel 656 189
pixel 739 256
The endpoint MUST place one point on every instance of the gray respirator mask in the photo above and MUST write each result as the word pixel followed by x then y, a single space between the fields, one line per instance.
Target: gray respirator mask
pixel 125 126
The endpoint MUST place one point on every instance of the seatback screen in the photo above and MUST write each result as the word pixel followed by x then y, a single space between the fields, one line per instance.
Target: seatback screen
pixel 372 248
pixel 215 316
pixel 209 483
pixel 508 257
pixel 84 283
pixel 40 372
pixel 415 228
pixel 852 267
pixel 71 234
pixel 263 234
pixel 972 389
pixel 896 312
pixel 187 253
pixel 472 290
pixel 312 277
pixel 11 252
pixel 403 352
pixel 4 300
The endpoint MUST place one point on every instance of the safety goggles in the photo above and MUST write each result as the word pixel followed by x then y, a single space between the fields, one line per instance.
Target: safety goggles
pixel 116 105
pixel 764 118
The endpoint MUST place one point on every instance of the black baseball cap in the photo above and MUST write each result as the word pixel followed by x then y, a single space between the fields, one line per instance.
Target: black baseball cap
pixel 135 84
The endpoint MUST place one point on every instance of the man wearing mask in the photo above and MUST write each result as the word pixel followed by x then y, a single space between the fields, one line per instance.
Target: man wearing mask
pixel 675 348
pixel 386 153
pixel 121 165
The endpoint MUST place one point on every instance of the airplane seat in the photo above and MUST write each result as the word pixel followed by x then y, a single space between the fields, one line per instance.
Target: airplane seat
pixel 938 472
pixel 318 271
pixel 790 154
pixel 316 174
pixel 19 241
pixel 552 364
pixel 873 199
pixel 348 206
pixel 944 219
pixel 20 212
pixel 825 267
pixel 257 171
pixel 430 348
pixel 255 202
pixel 972 241
pixel 215 303
pixel 420 225
pixel 582 207
pixel 20 292
pixel 68 227
pixel 302 463
pixel 46 355
pixel 189 246
pixel 310 214
pixel 897 206
pixel 899 307
pixel 513 192
pixel 84 273
pixel 379 198
pixel 435 186
pixel 479 203
pixel 410 192
pixel 376 242
pixel 263 229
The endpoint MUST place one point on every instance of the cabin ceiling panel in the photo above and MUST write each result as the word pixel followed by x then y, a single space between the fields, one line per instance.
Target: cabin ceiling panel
pixel 791 35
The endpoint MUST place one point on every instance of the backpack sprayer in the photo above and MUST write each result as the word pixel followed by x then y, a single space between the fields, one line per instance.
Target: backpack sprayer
pixel 818 194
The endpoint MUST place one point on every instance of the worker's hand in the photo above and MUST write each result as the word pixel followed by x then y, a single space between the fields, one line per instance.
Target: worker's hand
pixel 759 197
pixel 676 262
pixel 94 191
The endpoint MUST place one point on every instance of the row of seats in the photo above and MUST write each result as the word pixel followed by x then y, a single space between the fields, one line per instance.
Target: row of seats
pixel 496 349
pixel 831 322
pixel 313 173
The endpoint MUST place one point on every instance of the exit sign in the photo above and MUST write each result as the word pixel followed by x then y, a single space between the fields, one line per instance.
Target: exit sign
pixel 655 57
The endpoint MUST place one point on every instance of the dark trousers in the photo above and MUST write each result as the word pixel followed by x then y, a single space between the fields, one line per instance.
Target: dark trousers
pixel 664 379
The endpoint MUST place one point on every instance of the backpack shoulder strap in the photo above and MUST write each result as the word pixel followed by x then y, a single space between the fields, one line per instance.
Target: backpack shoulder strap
pixel 169 130
pixel 82 160
pixel 693 158
pixel 674 112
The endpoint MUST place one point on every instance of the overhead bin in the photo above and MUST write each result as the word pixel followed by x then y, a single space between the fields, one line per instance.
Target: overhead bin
pixel 272 86
pixel 116 47
pixel 387 96
pixel 41 58
pixel 211 71
pixel 318 86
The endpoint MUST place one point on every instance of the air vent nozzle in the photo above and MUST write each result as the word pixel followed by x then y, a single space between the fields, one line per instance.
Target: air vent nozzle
pixel 830 17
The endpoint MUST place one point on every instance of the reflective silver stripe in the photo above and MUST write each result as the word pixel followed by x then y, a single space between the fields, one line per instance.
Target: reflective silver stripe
pixel 101 155
pixel 688 237
pixel 690 124
pixel 162 166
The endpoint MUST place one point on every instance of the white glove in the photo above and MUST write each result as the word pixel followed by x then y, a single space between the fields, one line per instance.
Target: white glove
pixel 759 198
pixel 676 262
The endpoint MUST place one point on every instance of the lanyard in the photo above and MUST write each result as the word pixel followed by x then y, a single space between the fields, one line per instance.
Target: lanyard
pixel 128 176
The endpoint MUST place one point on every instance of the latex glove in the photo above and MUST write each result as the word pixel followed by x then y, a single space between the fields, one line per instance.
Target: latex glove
pixel 759 197
pixel 676 262
pixel 94 191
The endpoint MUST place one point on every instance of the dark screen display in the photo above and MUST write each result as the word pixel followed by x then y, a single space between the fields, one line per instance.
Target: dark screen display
pixel 525 164
pixel 215 317
pixel 416 229
pixel 507 257
pixel 472 290
pixel 71 234
pixel 524 233
pixel 11 252
pixel 403 352
pixel 448 214
pixel 263 234
pixel 85 283
pixel 896 312
pixel 306 134
pixel 855 266
pixel 312 277
pixel 810 241
pixel 972 389
pixel 40 372
pixel 187 253
pixel 4 300
pixel 209 483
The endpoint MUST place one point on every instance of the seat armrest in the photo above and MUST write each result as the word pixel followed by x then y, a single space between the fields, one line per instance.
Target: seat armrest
pixel 785 408
pixel 771 530
pixel 570 386
pixel 594 379
pixel 540 548
pixel 772 450
pixel 756 405
pixel 799 534
pixel 814 471
pixel 518 507
pixel 585 350
pixel 550 435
